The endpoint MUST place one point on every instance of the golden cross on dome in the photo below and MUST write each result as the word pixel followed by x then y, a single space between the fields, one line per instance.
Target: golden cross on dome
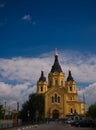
pixel 56 53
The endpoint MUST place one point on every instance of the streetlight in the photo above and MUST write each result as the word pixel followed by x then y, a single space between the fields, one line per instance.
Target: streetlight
pixel 5 110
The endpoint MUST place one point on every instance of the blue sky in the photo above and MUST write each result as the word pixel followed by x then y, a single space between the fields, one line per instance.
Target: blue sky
pixel 30 30
pixel 32 27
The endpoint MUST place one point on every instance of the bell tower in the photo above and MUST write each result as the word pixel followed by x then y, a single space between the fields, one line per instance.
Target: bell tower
pixel 41 84
pixel 70 83
pixel 71 94
pixel 56 76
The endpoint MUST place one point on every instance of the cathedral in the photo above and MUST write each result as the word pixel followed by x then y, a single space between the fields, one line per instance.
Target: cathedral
pixel 61 97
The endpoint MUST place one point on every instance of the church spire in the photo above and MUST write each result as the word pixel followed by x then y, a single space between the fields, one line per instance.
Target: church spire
pixel 42 78
pixel 56 66
pixel 56 53
pixel 70 78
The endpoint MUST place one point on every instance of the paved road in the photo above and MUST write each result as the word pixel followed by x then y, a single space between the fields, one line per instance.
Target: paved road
pixel 52 126
pixel 58 126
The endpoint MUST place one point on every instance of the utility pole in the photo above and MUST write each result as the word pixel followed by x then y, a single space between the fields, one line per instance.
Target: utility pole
pixel 18 106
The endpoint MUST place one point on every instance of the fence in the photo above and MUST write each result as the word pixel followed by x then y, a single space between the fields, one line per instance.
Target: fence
pixel 8 123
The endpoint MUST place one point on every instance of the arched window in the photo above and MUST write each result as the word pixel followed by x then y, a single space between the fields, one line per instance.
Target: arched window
pixel 52 99
pixel 70 88
pixel 55 99
pixel 62 83
pixel 41 88
pixel 58 99
pixel 56 82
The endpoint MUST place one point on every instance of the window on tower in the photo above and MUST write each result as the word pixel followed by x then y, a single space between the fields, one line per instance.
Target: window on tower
pixel 56 82
pixel 70 88
pixel 61 83
pixel 41 88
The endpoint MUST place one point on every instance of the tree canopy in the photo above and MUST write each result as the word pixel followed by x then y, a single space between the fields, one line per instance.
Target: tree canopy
pixel 33 108
pixel 92 111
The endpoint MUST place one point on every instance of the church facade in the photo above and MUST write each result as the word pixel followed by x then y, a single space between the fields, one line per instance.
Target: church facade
pixel 61 98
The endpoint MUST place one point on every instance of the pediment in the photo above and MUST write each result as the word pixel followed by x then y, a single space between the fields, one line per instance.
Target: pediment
pixel 53 90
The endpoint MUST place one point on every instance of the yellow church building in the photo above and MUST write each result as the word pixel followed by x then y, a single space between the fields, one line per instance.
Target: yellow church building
pixel 61 97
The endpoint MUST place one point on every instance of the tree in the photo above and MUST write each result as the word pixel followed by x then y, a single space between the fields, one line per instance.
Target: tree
pixel 33 108
pixel 92 111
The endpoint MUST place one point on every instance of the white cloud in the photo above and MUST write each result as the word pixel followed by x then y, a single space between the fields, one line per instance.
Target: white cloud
pixel 19 75
pixel 18 68
pixel 89 93
pixel 15 93
pixel 83 66
pixel 27 17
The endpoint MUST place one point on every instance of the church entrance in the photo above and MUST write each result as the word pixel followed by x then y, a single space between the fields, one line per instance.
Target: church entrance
pixel 55 114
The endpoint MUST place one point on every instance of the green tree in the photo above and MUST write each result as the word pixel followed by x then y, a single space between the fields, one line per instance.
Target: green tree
pixel 33 108
pixel 92 111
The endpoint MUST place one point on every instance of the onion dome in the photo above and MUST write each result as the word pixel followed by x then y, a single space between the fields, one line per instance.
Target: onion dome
pixel 70 78
pixel 42 78
pixel 56 66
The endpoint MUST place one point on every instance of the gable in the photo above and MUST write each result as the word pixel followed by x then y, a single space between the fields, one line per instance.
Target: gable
pixel 53 90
